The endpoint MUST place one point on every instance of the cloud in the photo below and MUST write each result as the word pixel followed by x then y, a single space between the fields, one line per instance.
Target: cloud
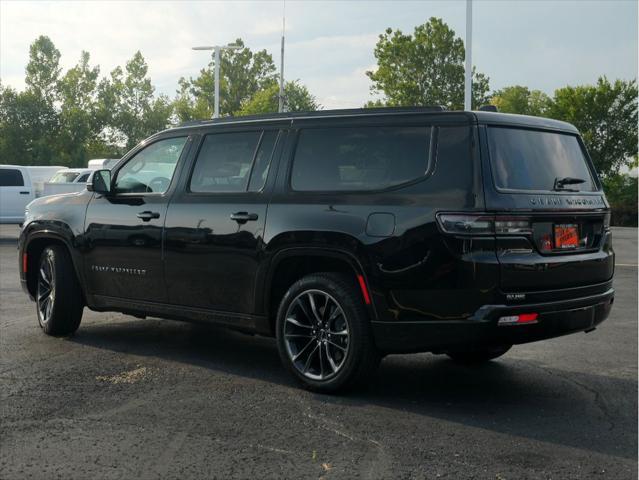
pixel 541 44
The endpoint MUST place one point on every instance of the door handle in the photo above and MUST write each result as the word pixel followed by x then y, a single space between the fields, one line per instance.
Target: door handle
pixel 24 193
pixel 243 217
pixel 146 216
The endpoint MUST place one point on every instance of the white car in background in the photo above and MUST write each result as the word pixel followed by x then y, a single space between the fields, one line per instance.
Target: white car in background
pixel 18 186
pixel 68 180
pixel 102 163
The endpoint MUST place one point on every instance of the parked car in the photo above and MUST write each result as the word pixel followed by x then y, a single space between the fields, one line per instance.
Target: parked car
pixel 18 186
pixel 347 235
pixel 67 181
pixel 98 163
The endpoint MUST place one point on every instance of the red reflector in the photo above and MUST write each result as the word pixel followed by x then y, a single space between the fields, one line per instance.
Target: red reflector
pixel 527 318
pixel 362 285
pixel 24 263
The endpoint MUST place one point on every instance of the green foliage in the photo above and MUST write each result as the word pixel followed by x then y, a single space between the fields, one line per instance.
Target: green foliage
pixel 521 100
pixel 29 122
pixel 426 68
pixel 136 113
pixel 243 73
pixel 621 191
pixel 297 98
pixel 68 119
pixel 606 116
pixel 78 112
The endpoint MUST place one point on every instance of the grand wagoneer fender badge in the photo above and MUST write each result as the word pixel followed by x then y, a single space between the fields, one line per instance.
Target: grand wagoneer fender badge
pixel 124 270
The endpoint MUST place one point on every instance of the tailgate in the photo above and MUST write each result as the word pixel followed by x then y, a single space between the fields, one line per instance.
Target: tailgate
pixel 551 216
pixel 560 251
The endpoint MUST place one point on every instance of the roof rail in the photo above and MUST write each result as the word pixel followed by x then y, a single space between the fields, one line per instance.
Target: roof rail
pixel 316 113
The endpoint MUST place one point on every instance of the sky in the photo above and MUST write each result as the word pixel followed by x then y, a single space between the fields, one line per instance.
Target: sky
pixel 541 44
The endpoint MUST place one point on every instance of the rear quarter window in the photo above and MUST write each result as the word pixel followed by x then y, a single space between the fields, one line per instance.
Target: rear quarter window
pixel 360 158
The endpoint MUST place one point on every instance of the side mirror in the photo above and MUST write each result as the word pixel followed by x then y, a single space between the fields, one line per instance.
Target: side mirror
pixel 100 182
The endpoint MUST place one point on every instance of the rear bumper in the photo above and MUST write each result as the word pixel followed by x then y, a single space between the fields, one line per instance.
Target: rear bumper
pixel 554 319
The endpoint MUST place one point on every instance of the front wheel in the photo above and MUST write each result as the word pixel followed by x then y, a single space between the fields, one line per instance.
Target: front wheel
pixel 58 297
pixel 478 355
pixel 323 333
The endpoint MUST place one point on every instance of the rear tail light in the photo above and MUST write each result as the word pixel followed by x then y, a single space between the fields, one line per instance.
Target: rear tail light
pixel 521 319
pixel 482 224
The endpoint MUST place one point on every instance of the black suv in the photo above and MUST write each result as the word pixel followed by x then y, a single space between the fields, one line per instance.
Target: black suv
pixel 347 235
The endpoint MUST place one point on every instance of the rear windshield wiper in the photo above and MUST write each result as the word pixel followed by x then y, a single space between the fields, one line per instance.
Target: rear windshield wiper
pixel 560 183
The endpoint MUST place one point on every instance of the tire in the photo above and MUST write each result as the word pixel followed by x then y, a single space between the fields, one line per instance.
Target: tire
pixel 336 354
pixel 478 355
pixel 59 302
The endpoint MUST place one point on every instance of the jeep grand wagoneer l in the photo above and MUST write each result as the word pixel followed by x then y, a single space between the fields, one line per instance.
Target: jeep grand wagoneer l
pixel 347 235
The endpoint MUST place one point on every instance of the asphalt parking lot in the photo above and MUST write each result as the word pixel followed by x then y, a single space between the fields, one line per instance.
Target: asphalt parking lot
pixel 127 398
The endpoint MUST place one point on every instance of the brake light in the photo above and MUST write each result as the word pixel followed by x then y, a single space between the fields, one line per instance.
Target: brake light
pixel 467 224
pixel 521 319
pixel 24 263
pixel 483 224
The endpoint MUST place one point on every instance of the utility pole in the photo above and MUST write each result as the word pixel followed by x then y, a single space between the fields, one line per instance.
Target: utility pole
pixel 281 96
pixel 468 73
pixel 216 55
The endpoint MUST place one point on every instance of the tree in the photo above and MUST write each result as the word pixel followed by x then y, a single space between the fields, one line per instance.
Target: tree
pixel 79 122
pixel 243 73
pixel 521 100
pixel 128 105
pixel 297 99
pixel 29 123
pixel 426 68
pixel 43 69
pixel 606 116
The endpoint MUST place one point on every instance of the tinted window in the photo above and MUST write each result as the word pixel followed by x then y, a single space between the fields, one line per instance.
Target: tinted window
pixel 11 178
pixel 359 158
pixel 224 162
pixel 533 160
pixel 151 169
pixel 83 178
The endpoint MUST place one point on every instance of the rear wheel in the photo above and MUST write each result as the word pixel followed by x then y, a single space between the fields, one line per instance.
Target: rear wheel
pixel 323 333
pixel 478 355
pixel 58 297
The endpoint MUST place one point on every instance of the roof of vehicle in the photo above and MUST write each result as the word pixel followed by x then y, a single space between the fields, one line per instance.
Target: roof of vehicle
pixel 75 170
pixel 482 117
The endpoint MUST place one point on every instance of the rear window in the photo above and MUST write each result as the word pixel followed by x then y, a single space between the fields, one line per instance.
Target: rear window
pixel 360 158
pixel 535 160
pixel 10 177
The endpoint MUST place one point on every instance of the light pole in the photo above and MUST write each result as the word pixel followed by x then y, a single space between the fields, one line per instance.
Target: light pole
pixel 468 73
pixel 216 49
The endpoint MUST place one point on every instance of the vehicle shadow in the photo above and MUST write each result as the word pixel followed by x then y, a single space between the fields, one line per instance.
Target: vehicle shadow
pixel 514 397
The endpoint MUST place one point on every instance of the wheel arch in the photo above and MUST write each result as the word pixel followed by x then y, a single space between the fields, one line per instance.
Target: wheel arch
pixel 291 264
pixel 35 243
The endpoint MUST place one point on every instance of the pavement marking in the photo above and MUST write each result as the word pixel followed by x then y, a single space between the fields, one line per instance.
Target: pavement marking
pixel 626 265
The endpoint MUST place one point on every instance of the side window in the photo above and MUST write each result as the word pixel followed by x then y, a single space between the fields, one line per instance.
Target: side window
pixel 224 162
pixel 82 178
pixel 10 177
pixel 151 169
pixel 360 158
